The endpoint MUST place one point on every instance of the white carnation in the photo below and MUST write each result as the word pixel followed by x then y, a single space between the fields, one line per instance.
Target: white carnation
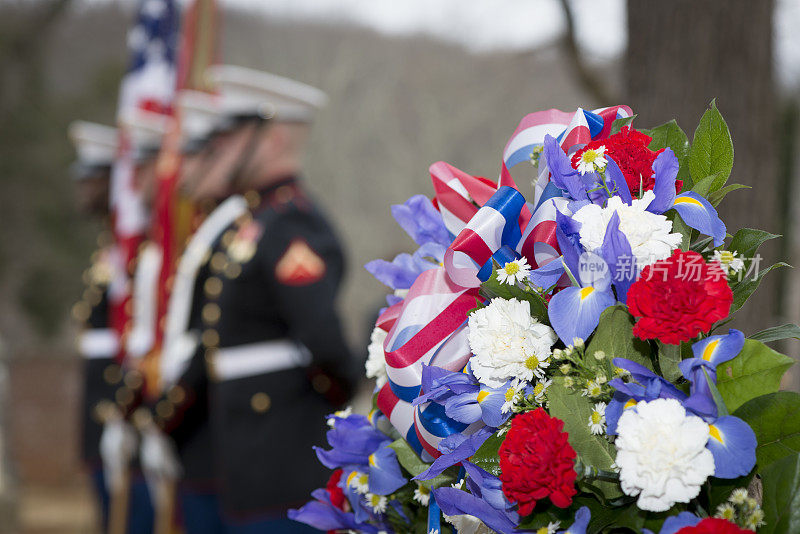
pixel 648 233
pixel 376 360
pixel 507 343
pixel 662 454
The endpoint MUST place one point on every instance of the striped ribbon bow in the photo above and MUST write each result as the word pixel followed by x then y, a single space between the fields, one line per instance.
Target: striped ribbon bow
pixel 488 221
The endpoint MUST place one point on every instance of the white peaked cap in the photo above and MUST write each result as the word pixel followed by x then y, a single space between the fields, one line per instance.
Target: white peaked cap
pixel 245 92
pixel 145 128
pixel 199 112
pixel 95 144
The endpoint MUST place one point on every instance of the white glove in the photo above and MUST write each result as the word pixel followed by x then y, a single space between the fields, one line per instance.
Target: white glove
pixel 117 447
pixel 158 456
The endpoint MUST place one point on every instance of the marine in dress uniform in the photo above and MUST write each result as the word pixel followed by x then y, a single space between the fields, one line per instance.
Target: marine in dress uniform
pixel 271 335
pixel 98 344
pixel 121 436
pixel 180 416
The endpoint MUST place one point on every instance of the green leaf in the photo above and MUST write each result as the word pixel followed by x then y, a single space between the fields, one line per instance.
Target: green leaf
pixel 414 465
pixel 614 336
pixel 716 197
pixel 746 242
pixel 722 409
pixel 777 333
pixel 755 371
pixel 620 123
pixel 748 285
pixel 712 149
pixel 493 288
pixel 575 410
pixel 487 456
pixel 670 135
pixel 719 489
pixel 703 186
pixel 680 227
pixel 669 356
pixel 781 497
pixel 773 418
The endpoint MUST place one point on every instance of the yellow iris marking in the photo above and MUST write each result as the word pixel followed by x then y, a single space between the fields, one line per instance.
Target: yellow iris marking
pixel 511 268
pixel 350 478
pixel 630 404
pixel 714 432
pixel 688 200
pixel 586 291
pixel 708 352
pixel 589 156
pixel 482 395
pixel 372 460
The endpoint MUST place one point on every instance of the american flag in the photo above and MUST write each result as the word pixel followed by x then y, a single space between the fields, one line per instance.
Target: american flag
pixel 149 84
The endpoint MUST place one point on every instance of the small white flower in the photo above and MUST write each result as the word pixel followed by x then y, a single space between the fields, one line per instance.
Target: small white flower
pixel 756 519
pixel 342 414
pixel 513 395
pixel 662 454
pixel 600 378
pixel 422 495
pixel 551 528
pixel 726 511
pixel 359 482
pixel 507 343
pixel 376 360
pixel 599 355
pixel 597 419
pixel 514 272
pixel 592 159
pixel 592 389
pixel 377 503
pixel 540 389
pixel 649 234
pixel 729 261
pixel 738 496
pixel 434 531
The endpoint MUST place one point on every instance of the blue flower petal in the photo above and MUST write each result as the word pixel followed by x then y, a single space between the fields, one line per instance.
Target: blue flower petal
pixel 698 213
pixel 618 181
pixel 464 408
pixel 456 448
pixel 561 172
pixel 675 523
pixel 582 518
pixel 486 486
pixel 719 349
pixel 384 472
pixel 575 311
pixel 616 247
pixel 420 219
pixel 547 275
pixel 733 444
pixel 665 168
pixel 454 501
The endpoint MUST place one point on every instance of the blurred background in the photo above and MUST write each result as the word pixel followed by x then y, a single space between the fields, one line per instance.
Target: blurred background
pixel 410 83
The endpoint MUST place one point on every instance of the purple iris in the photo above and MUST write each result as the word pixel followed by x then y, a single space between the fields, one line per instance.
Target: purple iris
pixel 356 444
pixel 323 515
pixel 456 448
pixel 732 441
pixel 422 221
pixel 675 523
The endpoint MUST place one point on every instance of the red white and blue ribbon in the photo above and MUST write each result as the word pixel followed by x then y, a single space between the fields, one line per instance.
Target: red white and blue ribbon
pixel 488 221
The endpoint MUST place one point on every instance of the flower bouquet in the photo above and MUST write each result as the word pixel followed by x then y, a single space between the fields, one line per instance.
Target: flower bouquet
pixel 560 363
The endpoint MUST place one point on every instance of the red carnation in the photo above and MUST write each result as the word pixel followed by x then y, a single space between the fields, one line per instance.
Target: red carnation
pixel 628 149
pixel 536 461
pixel 677 298
pixel 335 492
pixel 713 525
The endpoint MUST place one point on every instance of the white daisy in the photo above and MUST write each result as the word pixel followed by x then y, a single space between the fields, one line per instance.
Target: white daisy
pixel 513 395
pixel 662 454
pixel 377 503
pixel 738 496
pixel 729 261
pixel 359 482
pixel 550 528
pixel 726 511
pixel 540 389
pixel 507 343
pixel 592 389
pixel 592 160
pixel 597 419
pixel 376 360
pixel 756 519
pixel 649 234
pixel 422 495
pixel 342 414
pixel 514 272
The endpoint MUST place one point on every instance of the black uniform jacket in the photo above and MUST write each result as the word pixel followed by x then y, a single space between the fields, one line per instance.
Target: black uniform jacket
pixel 278 279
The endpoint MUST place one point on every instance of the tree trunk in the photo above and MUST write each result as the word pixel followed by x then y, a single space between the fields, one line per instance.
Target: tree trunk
pixel 683 53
